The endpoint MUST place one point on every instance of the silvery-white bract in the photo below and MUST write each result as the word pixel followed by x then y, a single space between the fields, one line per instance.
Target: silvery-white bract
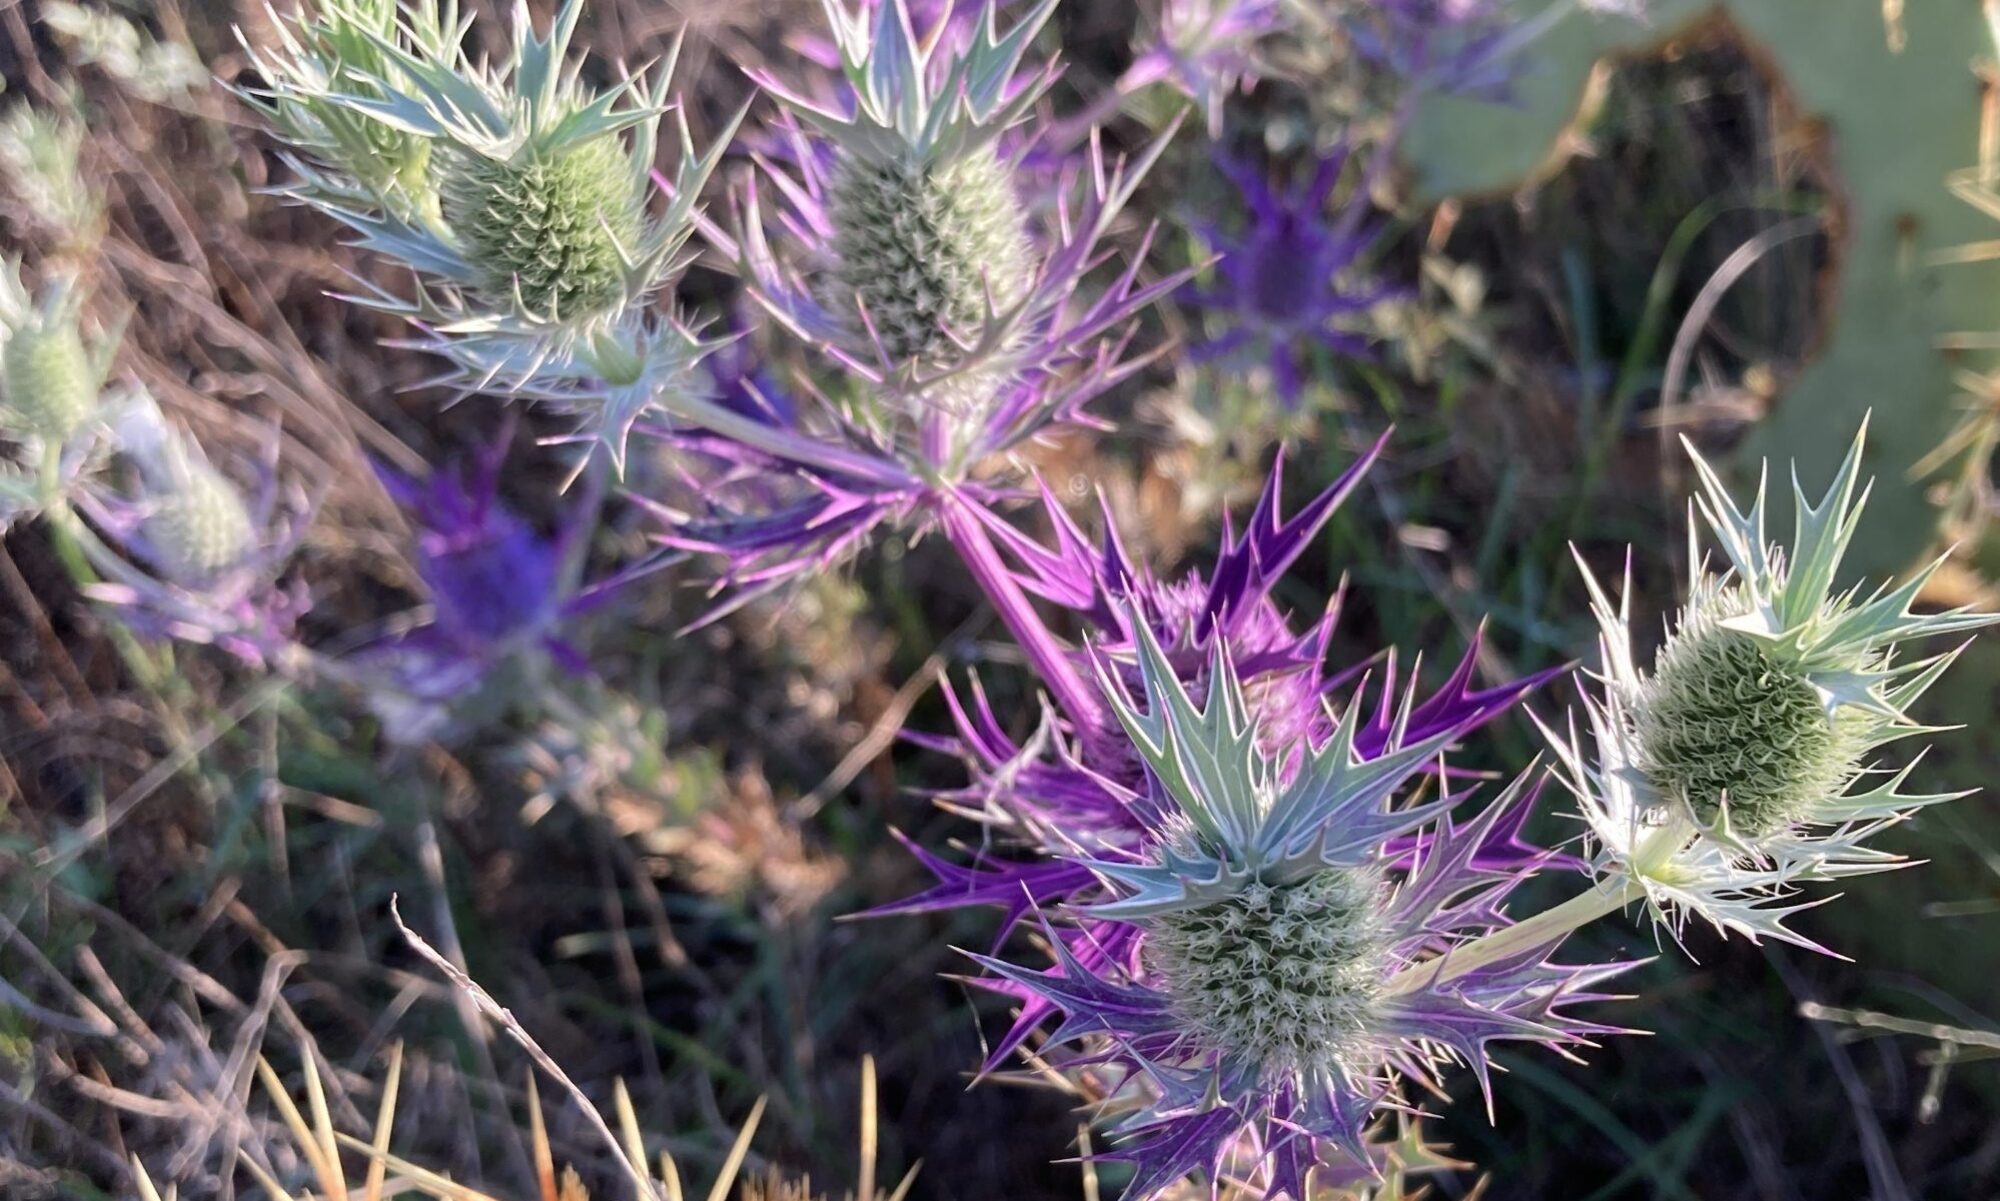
pixel 1739 765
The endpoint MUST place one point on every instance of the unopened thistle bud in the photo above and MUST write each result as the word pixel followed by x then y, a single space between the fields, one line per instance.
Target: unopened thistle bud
pixel 196 526
pixel 203 529
pixel 1726 723
pixel 39 155
pixel 50 379
pixel 926 249
pixel 555 226
pixel 518 193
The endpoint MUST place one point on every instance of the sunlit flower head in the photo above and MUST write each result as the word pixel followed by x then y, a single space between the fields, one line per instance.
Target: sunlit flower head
pixel 1267 967
pixel 1741 763
pixel 519 194
pixel 1087 823
pixel 895 225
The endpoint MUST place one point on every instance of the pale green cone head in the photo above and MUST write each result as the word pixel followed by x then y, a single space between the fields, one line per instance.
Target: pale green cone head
pixel 1285 977
pixel 559 223
pixel 923 246
pixel 1724 719
pixel 48 382
pixel 202 529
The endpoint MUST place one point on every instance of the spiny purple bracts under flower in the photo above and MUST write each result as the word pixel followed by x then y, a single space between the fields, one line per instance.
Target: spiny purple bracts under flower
pixel 490 575
pixel 1246 968
pixel 186 555
pixel 1071 792
pixel 1285 281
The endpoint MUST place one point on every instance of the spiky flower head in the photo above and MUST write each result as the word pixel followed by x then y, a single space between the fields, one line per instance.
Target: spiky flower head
pixel 518 193
pixel 337 46
pixel 196 524
pixel 928 240
pixel 1287 284
pixel 500 593
pixel 1223 862
pixel 926 406
pixel 1740 764
pixel 187 553
pixel 51 378
pixel 1266 969
pixel 40 151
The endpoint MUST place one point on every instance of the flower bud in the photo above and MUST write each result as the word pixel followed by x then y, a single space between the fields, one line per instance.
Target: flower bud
pixel 922 245
pixel 557 224
pixel 202 528
pixel 47 380
pixel 1724 723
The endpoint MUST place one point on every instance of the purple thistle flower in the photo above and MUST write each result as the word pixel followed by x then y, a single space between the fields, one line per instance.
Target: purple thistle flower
pixel 1269 962
pixel 952 304
pixel 1077 810
pixel 498 588
pixel 1286 281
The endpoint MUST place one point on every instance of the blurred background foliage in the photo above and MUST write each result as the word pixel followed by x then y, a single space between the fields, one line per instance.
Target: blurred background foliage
pixel 646 866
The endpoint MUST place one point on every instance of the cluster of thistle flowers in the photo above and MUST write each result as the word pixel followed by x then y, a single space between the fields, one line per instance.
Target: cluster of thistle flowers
pixel 918 219
pixel 1268 929
pixel 180 548
pixel 1261 936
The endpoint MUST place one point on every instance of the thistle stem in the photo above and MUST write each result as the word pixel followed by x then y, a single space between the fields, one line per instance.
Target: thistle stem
pixel 1543 929
pixel 785 444
pixel 1048 656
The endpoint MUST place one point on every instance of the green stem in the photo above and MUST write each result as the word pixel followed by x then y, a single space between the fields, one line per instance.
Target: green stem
pixel 1543 929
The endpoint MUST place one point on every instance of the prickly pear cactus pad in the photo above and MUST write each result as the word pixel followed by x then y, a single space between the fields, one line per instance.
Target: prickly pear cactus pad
pixel 1904 101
